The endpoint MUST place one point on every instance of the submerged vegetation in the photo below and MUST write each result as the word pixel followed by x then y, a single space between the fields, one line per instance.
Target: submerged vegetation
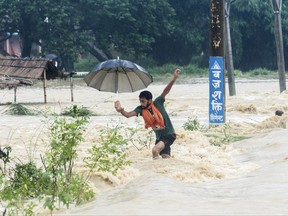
pixel 192 124
pixel 55 183
pixel 223 136
pixel 73 111
pixel 19 109
pixel 77 111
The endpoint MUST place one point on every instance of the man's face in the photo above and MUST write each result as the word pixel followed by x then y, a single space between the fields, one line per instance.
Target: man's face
pixel 144 103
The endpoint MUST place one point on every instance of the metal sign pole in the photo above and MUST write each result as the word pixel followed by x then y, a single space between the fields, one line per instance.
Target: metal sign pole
pixel 277 6
pixel 216 63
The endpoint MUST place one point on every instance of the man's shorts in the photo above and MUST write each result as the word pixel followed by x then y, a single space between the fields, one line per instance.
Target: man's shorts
pixel 168 141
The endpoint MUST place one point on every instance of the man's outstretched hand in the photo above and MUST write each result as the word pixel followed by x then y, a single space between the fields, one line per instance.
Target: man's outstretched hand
pixel 117 106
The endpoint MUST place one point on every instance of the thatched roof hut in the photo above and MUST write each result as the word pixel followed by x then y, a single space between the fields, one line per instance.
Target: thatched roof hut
pixel 19 69
pixel 31 68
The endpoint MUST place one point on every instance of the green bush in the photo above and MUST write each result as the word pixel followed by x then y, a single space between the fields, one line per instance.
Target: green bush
pixel 56 184
pixel 260 72
pixel 192 124
pixel 188 70
pixel 238 73
pixel 75 111
pixel 5 157
pixel 194 70
pixel 29 181
pixel 110 155
pixel 86 64
pixel 162 70
pixel 19 109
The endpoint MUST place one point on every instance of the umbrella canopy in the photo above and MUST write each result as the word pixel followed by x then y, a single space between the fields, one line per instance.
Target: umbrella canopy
pixel 117 75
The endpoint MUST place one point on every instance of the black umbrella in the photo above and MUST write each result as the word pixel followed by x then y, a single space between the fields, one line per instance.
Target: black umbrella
pixel 117 75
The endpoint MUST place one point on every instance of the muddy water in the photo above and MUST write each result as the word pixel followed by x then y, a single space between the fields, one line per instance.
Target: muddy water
pixel 245 177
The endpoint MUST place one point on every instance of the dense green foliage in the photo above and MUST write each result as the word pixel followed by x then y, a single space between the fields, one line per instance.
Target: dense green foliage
pixel 151 32
pixel 55 184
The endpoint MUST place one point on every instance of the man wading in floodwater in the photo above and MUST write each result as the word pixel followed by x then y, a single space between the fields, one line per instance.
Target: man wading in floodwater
pixel 156 117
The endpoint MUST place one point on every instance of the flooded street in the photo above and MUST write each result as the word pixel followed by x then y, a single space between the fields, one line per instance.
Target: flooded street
pixel 205 176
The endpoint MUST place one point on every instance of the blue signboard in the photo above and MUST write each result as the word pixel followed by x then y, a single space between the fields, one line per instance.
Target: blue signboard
pixel 216 90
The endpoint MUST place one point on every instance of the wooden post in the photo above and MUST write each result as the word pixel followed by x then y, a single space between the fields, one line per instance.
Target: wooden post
pixel 15 91
pixel 44 86
pixel 71 86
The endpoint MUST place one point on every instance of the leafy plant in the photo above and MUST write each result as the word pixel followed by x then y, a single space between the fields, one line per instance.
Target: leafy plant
pixel 65 135
pixel 21 184
pixel 29 181
pixel 75 111
pixel 68 191
pixel 225 136
pixel 192 124
pixel 138 139
pixel 110 154
pixel 57 184
pixel 5 157
pixel 65 186
pixel 19 109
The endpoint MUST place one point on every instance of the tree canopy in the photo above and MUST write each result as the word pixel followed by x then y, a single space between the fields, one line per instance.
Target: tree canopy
pixel 155 31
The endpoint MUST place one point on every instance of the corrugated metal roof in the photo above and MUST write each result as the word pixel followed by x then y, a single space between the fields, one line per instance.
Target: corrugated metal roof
pixel 32 68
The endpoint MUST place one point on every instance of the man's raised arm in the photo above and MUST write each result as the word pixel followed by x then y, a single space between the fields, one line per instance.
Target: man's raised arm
pixel 170 84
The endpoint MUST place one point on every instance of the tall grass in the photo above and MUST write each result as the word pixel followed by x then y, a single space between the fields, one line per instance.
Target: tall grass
pixel 86 64
pixel 193 70
pixel 167 70
pixel 190 70
pixel 19 109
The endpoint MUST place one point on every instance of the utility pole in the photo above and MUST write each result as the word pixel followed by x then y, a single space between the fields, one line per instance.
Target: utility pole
pixel 277 6
pixel 228 51
pixel 216 63
pixel 217 42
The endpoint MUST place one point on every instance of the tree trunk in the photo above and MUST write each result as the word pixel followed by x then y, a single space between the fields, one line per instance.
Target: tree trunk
pixel 68 63
pixel 26 46
pixel 97 53
pixel 228 51
pixel 279 43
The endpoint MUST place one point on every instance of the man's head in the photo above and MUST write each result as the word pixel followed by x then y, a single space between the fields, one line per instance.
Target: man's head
pixel 145 99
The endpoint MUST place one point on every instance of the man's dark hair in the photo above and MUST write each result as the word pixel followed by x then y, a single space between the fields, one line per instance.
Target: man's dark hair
pixel 145 94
